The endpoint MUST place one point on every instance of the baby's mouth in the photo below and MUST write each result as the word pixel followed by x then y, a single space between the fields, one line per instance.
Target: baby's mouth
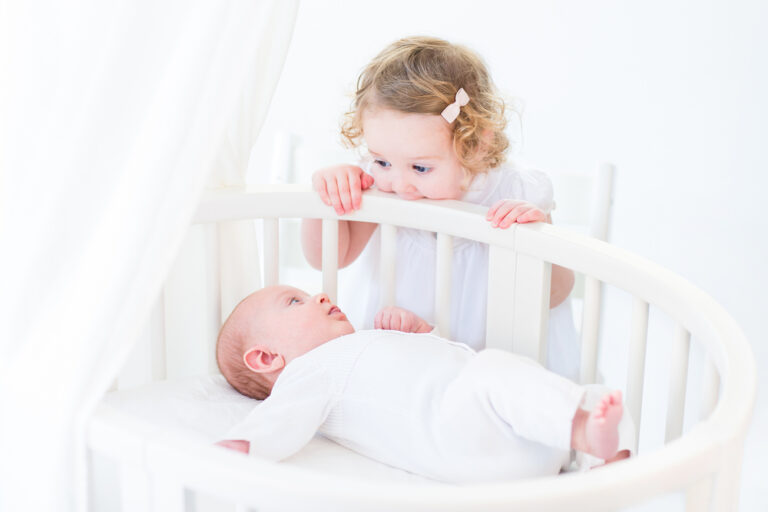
pixel 335 310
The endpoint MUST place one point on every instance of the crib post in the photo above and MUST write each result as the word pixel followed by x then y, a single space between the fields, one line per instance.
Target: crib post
pixel 698 495
pixel 168 495
pixel 636 370
pixel 330 257
pixel 501 279
pixel 590 329
pixel 711 389
pixel 725 491
pixel 271 251
pixel 678 377
pixel 518 303
pixel 135 488
pixel 443 278
pixel 388 263
pixel 531 298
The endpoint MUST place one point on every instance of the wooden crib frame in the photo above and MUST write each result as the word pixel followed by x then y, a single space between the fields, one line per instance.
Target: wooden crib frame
pixel 704 462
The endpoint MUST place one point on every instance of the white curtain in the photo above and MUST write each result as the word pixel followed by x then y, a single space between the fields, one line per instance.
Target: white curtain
pixel 113 118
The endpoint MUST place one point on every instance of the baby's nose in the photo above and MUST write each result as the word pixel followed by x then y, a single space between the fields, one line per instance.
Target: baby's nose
pixel 322 297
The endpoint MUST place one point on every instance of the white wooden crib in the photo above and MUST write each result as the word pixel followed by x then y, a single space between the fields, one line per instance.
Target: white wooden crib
pixel 146 466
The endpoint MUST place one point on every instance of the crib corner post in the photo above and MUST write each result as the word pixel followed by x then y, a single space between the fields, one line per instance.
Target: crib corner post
pixel 726 484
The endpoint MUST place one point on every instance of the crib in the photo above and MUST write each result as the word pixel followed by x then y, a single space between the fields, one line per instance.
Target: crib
pixel 149 466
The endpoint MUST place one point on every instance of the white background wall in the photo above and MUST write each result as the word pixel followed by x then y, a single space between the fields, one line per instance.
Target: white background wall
pixel 673 92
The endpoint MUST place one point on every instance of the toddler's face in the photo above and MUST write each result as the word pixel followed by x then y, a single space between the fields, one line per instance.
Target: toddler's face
pixel 294 322
pixel 413 154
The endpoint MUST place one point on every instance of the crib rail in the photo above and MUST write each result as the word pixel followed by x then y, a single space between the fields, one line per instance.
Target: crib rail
pixel 703 462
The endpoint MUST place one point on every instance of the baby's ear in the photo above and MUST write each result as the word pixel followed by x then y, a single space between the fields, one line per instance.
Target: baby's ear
pixel 261 360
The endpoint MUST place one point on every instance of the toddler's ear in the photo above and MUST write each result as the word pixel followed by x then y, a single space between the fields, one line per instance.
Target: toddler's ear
pixel 261 360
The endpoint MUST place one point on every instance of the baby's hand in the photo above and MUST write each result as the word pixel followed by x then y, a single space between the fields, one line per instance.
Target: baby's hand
pixel 399 319
pixel 506 211
pixel 238 445
pixel 340 186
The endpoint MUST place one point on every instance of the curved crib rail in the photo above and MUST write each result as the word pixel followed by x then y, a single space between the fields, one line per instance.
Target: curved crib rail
pixel 704 462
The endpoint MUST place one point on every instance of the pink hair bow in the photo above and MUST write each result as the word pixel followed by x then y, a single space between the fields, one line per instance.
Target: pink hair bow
pixel 451 112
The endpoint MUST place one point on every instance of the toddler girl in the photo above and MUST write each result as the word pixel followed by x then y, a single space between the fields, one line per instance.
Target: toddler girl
pixel 433 125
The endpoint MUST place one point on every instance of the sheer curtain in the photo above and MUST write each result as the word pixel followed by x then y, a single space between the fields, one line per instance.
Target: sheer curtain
pixel 115 116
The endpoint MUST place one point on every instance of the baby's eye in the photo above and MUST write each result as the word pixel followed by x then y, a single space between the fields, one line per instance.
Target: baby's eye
pixel 382 163
pixel 293 300
pixel 421 169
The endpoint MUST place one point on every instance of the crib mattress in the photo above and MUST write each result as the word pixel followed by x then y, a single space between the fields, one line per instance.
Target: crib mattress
pixel 204 408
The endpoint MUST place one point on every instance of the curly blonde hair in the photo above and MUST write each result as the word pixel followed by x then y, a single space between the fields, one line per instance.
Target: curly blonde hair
pixel 422 75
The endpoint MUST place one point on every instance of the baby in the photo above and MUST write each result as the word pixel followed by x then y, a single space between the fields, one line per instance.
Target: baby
pixel 411 400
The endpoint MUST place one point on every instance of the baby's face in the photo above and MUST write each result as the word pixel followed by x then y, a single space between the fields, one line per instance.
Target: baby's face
pixel 413 155
pixel 293 323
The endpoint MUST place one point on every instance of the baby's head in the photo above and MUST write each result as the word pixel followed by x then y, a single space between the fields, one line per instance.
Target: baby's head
pixel 421 75
pixel 270 328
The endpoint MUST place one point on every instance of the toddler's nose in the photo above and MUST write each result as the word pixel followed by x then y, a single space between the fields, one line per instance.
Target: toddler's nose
pixel 400 184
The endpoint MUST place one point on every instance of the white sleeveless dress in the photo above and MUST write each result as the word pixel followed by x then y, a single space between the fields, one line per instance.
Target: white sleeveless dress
pixel 415 273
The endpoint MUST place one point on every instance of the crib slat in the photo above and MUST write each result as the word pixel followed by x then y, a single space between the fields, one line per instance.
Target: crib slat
pixel 590 329
pixel 330 257
pixel 135 488
pixel 271 251
pixel 501 279
pixel 725 485
pixel 678 378
pixel 602 193
pixel 711 389
pixel 636 373
pixel 168 495
pixel 531 306
pixel 698 495
pixel 388 253
pixel 443 278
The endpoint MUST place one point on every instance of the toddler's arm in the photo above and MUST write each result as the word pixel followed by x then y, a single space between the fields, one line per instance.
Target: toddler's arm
pixel 341 187
pixel 399 319
pixel 504 213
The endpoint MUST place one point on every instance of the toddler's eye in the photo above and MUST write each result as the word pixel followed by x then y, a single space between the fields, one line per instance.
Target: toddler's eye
pixel 421 169
pixel 382 163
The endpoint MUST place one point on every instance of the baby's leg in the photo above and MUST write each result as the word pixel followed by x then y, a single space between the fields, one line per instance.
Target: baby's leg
pixel 596 432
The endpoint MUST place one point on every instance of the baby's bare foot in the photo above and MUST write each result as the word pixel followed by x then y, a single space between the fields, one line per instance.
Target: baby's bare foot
pixel 601 429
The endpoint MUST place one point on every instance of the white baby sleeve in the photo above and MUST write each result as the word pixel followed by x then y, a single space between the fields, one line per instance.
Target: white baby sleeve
pixel 287 420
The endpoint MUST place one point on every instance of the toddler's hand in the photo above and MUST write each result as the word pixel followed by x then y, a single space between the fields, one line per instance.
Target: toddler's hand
pixel 399 319
pixel 340 186
pixel 238 445
pixel 506 211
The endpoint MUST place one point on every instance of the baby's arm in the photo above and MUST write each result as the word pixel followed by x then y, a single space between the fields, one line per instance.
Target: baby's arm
pixel 504 213
pixel 341 187
pixel 399 319
pixel 287 420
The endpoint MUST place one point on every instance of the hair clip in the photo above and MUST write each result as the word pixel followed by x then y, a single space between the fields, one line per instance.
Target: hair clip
pixel 451 112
